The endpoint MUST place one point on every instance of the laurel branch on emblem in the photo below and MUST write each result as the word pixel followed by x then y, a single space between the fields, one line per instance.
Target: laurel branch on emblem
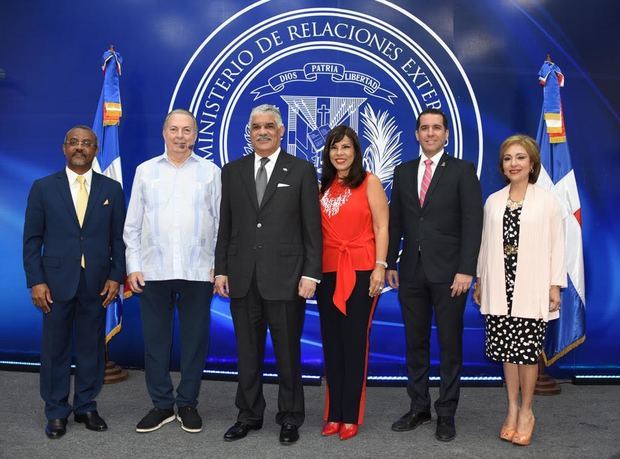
pixel 383 152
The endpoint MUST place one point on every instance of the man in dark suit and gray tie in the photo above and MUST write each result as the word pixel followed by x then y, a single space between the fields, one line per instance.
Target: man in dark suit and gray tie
pixel 436 207
pixel 268 261
pixel 74 258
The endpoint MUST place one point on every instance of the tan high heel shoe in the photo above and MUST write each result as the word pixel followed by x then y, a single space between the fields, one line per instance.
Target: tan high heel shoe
pixel 525 438
pixel 507 433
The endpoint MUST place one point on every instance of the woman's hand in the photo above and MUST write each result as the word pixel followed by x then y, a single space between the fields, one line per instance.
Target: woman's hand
pixel 476 294
pixel 554 298
pixel 377 281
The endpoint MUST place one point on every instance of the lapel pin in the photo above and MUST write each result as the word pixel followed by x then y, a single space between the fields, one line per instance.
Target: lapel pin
pixel 443 164
pixel 106 202
pixel 285 169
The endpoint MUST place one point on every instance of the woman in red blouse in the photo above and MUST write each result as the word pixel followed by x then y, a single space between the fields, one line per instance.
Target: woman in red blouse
pixel 354 212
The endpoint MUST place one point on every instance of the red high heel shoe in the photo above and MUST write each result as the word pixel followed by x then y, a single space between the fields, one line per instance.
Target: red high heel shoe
pixel 348 431
pixel 330 428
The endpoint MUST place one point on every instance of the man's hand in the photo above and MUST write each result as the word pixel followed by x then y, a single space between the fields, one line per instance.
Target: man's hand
pixel 221 286
pixel 306 288
pixel 136 281
pixel 461 284
pixel 554 298
pixel 41 297
pixel 391 276
pixel 110 290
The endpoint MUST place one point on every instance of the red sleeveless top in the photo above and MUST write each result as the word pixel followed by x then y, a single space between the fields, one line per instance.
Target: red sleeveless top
pixel 348 237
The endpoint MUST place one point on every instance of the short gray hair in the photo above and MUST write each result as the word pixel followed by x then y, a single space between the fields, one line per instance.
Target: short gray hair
pixel 270 109
pixel 181 111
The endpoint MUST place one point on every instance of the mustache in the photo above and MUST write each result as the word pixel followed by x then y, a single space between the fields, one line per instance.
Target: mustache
pixel 264 137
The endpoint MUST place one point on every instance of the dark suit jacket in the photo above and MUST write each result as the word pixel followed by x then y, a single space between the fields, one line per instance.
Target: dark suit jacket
pixel 281 240
pixel 446 231
pixel 54 242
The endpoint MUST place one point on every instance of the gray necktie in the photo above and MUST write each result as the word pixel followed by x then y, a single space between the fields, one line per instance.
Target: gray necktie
pixel 261 180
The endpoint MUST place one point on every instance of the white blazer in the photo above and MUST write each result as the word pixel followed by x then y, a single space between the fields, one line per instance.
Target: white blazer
pixel 540 260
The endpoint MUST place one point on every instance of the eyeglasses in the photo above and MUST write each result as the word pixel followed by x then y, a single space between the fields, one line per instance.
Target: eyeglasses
pixel 83 143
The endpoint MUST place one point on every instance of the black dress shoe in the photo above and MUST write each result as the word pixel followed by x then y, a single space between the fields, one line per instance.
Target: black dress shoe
pixel 411 420
pixel 446 431
pixel 56 428
pixel 92 420
pixel 240 430
pixel 289 434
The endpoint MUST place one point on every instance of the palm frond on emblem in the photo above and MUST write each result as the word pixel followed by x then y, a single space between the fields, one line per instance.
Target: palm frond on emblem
pixel 383 152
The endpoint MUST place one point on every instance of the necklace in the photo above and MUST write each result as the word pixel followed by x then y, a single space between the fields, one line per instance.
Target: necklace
pixel 514 205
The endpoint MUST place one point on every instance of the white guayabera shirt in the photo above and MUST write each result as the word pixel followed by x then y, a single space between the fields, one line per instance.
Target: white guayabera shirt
pixel 172 219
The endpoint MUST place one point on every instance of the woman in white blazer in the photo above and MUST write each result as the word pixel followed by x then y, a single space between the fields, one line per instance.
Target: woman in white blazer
pixel 520 271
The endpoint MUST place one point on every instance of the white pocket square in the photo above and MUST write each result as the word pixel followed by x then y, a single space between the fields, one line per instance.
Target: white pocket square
pixel 282 185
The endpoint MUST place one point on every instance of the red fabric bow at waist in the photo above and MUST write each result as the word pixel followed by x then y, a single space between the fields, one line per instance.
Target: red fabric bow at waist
pixel 345 271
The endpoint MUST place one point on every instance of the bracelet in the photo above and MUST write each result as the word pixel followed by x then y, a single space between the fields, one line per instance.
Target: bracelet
pixel 382 263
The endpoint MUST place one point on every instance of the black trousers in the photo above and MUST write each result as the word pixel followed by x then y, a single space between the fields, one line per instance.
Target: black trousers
pixel 419 300
pixel 285 319
pixel 345 348
pixel 157 302
pixel 86 315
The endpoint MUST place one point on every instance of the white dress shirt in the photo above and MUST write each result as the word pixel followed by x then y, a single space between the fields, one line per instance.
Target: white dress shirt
pixel 74 185
pixel 269 169
pixel 172 219
pixel 422 167
pixel 270 164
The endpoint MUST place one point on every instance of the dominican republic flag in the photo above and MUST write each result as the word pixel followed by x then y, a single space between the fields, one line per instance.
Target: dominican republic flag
pixel 108 161
pixel 569 331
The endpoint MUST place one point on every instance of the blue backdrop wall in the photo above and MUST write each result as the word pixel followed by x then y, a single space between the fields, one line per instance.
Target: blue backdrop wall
pixel 477 60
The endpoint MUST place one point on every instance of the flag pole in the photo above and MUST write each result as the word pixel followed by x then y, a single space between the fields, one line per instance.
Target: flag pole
pixel 114 373
pixel 105 126
pixel 545 384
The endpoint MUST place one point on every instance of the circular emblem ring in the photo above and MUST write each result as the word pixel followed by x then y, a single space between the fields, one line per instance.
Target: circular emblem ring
pixel 324 66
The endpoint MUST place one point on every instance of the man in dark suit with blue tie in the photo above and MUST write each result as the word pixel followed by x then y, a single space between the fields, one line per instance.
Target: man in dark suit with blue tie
pixel 436 207
pixel 74 258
